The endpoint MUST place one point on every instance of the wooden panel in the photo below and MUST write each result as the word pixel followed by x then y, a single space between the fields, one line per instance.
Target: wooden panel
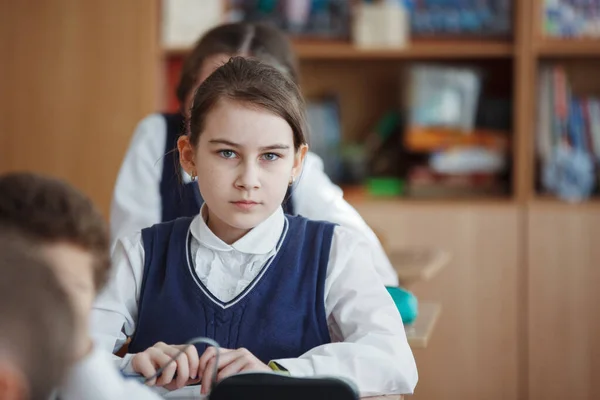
pixel 78 76
pixel 564 322
pixel 472 353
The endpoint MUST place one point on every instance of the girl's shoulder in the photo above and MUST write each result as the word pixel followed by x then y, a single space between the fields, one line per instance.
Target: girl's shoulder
pixel 153 122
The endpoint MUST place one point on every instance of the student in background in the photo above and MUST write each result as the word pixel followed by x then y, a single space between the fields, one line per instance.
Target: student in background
pixel 148 188
pixel 36 320
pixel 277 292
pixel 64 228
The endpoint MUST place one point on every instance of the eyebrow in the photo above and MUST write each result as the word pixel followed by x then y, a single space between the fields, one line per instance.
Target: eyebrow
pixel 237 145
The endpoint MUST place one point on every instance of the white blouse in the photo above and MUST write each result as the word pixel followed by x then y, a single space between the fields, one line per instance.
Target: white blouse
pixel 136 202
pixel 369 343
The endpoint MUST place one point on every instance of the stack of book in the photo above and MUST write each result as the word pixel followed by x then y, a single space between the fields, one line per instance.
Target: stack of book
pixel 568 136
pixel 572 18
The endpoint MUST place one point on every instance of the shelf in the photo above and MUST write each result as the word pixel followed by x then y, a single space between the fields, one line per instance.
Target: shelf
pixel 416 50
pixel 549 48
pixel 425 49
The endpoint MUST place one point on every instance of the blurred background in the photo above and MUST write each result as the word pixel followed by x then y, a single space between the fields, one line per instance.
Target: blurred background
pixel 468 128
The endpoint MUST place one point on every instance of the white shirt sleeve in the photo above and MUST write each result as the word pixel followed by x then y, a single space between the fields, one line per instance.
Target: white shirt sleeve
pixel 136 202
pixel 372 350
pixel 115 311
pixel 96 378
pixel 317 198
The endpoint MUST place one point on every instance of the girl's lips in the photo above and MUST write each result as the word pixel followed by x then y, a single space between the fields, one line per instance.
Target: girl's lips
pixel 245 204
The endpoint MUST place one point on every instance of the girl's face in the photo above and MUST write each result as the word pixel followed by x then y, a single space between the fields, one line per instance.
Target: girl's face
pixel 244 160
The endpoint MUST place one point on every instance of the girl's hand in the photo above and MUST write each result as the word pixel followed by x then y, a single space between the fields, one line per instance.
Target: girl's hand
pixel 185 366
pixel 230 362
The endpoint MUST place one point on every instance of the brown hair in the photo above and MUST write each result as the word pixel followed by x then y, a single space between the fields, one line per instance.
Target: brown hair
pixel 49 210
pixel 36 317
pixel 254 83
pixel 260 41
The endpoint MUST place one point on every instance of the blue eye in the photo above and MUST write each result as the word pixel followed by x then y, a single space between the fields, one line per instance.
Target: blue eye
pixel 270 156
pixel 227 153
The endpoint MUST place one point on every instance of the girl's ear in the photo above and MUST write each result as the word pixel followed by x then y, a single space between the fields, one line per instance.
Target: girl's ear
pixel 299 161
pixel 186 155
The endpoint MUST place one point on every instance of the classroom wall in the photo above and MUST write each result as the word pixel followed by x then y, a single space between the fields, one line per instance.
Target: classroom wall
pixel 76 77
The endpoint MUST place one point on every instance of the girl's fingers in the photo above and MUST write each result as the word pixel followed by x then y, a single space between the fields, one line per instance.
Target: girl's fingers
pixel 142 364
pixel 207 376
pixel 209 354
pixel 182 368
pixel 237 365
pixel 168 373
pixel 193 360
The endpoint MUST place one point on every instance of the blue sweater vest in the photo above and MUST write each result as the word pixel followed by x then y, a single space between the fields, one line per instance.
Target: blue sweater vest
pixel 281 314
pixel 184 199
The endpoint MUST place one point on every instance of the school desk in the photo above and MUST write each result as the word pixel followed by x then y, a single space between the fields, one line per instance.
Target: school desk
pixel 419 332
pixel 418 264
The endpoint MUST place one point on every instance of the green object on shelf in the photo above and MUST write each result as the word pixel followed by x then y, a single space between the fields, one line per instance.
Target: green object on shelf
pixel 382 186
pixel 266 6
pixel 387 125
pixel 406 303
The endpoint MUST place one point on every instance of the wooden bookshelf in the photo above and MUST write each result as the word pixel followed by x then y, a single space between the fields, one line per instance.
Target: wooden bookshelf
pixel 561 254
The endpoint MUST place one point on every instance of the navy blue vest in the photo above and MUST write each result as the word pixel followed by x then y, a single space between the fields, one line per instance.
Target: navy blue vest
pixel 180 199
pixel 281 314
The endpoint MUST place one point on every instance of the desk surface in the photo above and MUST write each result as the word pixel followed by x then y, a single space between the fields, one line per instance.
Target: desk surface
pixel 420 331
pixel 418 264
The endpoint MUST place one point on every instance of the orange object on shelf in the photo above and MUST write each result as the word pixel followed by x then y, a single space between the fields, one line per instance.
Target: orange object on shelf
pixel 426 139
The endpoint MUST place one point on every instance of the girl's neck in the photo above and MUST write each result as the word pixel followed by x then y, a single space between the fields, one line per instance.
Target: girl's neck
pixel 226 233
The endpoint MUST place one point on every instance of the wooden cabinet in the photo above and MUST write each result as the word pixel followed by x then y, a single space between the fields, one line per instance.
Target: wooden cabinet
pixel 474 351
pixel 520 297
pixel 564 301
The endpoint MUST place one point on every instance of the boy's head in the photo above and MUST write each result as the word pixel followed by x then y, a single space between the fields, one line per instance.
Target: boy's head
pixel 36 321
pixel 64 224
